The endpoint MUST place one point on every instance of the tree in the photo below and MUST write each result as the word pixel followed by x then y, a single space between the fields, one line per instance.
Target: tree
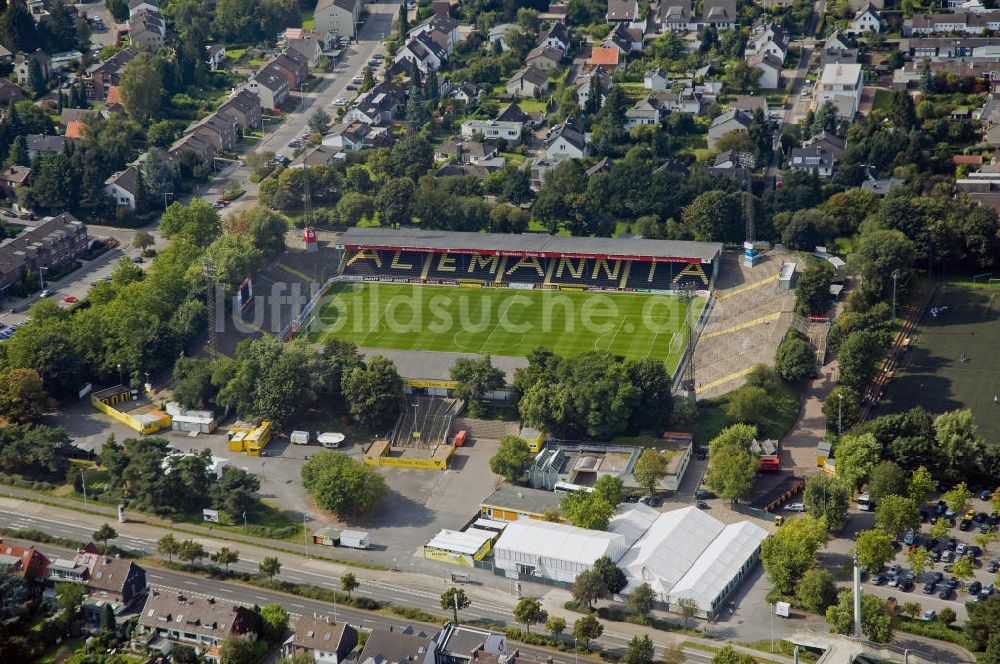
pixel 731 472
pixel 589 587
pixel 226 556
pixel 650 468
pixel 959 442
pixel 476 378
pixel 403 21
pixel 529 612
pixel 319 121
pixel 103 534
pixel 142 88
pixel 902 112
pixel 841 408
pixel 795 360
pixel 735 435
pixel 353 207
pixel 392 202
pixel 873 549
pixel 730 655
pixel 816 590
pixel 142 240
pixel 587 628
pixel 613 577
pixel 374 393
pixel 342 485
pixel 238 650
pixel 812 293
pixel 876 621
pixel 688 608
pixel 234 492
pixel 957 499
pixel 22 396
pixel 983 624
pixel 886 479
pixel 513 458
pixel 919 559
pixel 880 254
pixel 857 356
pixel 456 600
pixel 196 222
pixel 274 623
pixel 640 600
pixel 946 616
pixel 349 583
pixel 639 650
pixel 107 621
pixel 896 514
pixel 963 569
pixel 610 489
pixel 921 486
pixel 985 540
pixel 270 567
pixel 69 597
pixel 715 216
pixel 555 626
pixel 168 546
pixel 587 510
pixel 791 551
pixel 855 457
pixel 827 497
pixel 191 551
pixel 36 78
pixel 118 9
pixel 741 78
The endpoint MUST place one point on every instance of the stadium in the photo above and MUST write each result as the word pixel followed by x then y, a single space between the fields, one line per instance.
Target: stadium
pixel 507 294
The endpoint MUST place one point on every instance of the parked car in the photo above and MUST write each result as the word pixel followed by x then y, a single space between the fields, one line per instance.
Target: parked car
pixel 929 588
pixel 950 543
pixel 961 548
pixel 937 577
pixel 45 293
pixel 795 507
pixel 975 587
pixel 704 494
pixel 993 566
pixel 340 101
pixel 945 593
pixel 879 580
pixel 910 537
pixel 894 570
pixel 929 614
pixel 952 583
pixel 138 259
pixel 906 585
pixel 70 299
pixel 702 505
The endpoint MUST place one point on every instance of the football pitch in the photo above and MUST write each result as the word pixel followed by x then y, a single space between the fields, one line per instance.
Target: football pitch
pixel 505 321
pixel 932 373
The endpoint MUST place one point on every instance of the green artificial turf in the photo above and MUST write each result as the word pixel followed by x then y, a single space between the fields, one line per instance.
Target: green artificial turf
pixel 504 321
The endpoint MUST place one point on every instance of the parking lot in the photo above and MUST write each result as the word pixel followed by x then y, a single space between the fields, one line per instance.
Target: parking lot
pixel 929 597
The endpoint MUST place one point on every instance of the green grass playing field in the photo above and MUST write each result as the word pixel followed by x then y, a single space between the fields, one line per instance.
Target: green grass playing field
pixel 932 374
pixel 504 321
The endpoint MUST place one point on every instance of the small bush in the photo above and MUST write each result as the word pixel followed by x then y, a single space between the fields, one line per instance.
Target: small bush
pixel 578 607
pixel 937 630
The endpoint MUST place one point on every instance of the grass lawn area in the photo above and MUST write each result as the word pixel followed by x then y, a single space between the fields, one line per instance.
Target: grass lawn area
pixel 532 105
pixel 235 53
pixel 307 19
pixel 781 647
pixel 882 101
pixel 843 246
pixel 621 227
pixel 513 157
pixel 59 653
pixel 501 322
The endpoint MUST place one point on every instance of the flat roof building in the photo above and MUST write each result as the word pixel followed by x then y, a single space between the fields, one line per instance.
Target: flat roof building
pixel 511 503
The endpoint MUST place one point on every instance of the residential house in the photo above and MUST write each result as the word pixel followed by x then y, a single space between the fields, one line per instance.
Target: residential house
pixel 557 36
pixel 38 144
pixel 545 58
pixel 842 85
pixel 603 166
pixel 215 56
pixel 498 34
pixel 10 92
pixel 867 19
pixel 813 160
pixel 838 48
pixel 645 112
pixel 528 82
pixel 424 51
pixel 608 57
pixel 339 17
pixel 321 155
pixel 219 130
pixel 326 40
pixel 23 561
pixel 585 85
pixel 625 39
pixel 720 14
pixel 566 140
pixel 5 55
pixel 467 93
pixel 306 43
pixel 347 137
pixel 827 141
pixel 622 11
pixel 293 66
pixel 749 103
pixel 65 60
pixel 685 100
pixel 443 30
pixel 738 174
pixel 100 78
pixel 326 642
pixel 13 178
pixel 466 152
pixel 732 120
pixel 944 48
pixel 656 80
pixel 377 106
pixel 397 647
pixel 116 580
pixel 22 65
pixel 147 29
pixel 734 159
pixel 506 126
pixel 202 622
pixel 202 149
pixel 270 86
pixel 674 15
pixel 769 66
pixel 123 187
pixel 768 38
pixel 136 5
pixel 970 23
pixel 243 107
pixel 50 244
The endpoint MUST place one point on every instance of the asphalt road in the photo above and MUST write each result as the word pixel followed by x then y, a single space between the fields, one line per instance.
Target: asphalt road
pixel 240 593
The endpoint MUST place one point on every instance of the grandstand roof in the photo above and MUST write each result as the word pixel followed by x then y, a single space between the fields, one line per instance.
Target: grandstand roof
pixel 533 244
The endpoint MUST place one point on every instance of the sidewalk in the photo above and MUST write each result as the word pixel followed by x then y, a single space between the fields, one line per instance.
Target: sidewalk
pixel 554 600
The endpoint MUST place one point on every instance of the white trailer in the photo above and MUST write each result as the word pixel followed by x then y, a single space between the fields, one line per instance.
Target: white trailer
pixel 330 440
pixel 299 438
pixel 354 539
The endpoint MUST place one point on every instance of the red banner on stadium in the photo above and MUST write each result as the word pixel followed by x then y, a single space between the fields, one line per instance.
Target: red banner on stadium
pixel 528 254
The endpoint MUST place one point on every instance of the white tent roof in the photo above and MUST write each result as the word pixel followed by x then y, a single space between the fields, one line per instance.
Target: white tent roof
pixel 559 541
pixel 633 520
pixel 468 542
pixel 670 546
pixel 719 563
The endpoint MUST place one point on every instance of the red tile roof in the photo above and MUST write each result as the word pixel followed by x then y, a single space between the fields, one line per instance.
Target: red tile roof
pixel 602 55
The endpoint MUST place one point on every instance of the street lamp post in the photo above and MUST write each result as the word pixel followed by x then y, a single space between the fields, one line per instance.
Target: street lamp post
pixel 840 415
pixel 121 376
pixel 895 275
pixel 305 540
pixel 83 481
pixel 165 194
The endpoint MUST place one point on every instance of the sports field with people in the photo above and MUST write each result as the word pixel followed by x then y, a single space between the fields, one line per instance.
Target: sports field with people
pixel 505 321
pixel 954 359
